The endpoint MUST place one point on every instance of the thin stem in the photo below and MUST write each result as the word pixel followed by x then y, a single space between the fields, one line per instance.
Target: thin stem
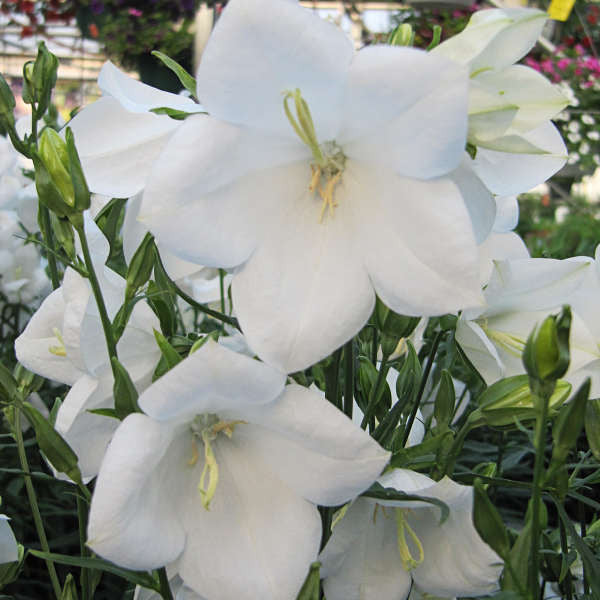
pixel 428 366
pixel 536 497
pixel 222 289
pixel 82 520
pixel 35 509
pixel 165 588
pixel 106 324
pixel 375 393
pixel 583 526
pixel 49 241
pixel 348 378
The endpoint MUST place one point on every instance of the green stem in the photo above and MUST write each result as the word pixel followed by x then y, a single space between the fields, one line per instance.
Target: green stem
pixel 536 497
pixel 35 509
pixel 165 588
pixel 375 391
pixel 82 520
pixel 89 265
pixel 583 526
pixel 457 445
pixel 348 378
pixel 49 241
pixel 222 289
pixel 564 548
pixel 428 367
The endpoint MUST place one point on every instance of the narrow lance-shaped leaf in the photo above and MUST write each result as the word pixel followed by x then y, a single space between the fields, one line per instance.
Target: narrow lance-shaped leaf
pixel 188 82
pixel 124 391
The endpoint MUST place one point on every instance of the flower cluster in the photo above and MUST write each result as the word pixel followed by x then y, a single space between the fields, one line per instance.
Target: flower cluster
pixel 334 198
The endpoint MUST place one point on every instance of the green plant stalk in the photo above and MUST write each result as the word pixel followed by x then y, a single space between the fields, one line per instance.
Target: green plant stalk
pixel 348 378
pixel 459 441
pixel 165 588
pixel 222 289
pixel 82 521
pixel 536 494
pixel 35 509
pixel 49 241
pixel 583 525
pixel 106 323
pixel 415 408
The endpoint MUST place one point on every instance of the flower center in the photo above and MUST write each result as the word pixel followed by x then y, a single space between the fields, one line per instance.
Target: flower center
pixel 206 427
pixel 328 158
pixel 513 344
pixel 59 349
pixel 409 562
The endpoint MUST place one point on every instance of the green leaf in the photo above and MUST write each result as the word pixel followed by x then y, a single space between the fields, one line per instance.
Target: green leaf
pixel 178 115
pixel 8 385
pixel 105 412
pixel 188 82
pixel 136 577
pixel 124 391
pixel 52 444
pixel 69 591
pixel 140 266
pixel 310 587
pixel 590 562
pixel 445 400
pixel 379 492
pixel 488 522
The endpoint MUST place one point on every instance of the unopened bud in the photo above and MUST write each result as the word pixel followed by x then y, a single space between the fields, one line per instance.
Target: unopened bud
pixel 53 152
pixel 7 101
pixel 546 354
pixel 140 267
pixel 393 326
pixel 403 35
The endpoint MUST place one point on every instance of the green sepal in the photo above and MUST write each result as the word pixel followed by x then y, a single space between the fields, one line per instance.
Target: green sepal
pixel 188 82
pixel 403 35
pixel 140 266
pixel 311 585
pixel 569 423
pixel 124 391
pixel 510 400
pixel 8 385
pixel 177 115
pixel 488 522
pixel 105 412
pixel 81 192
pixel 52 444
pixel 171 356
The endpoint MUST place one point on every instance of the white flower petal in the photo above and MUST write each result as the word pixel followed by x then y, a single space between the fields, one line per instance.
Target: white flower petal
pixel 258 538
pixel 505 173
pixel 8 544
pixel 133 520
pixel 457 561
pixel 117 147
pixel 203 383
pixel 137 97
pixel 32 347
pixel 312 446
pixel 507 213
pixel 405 109
pixel 417 241
pixel 284 47
pixel 495 38
pixel 480 350
pixel 478 199
pixel 361 559
pixel 499 246
pixel 304 291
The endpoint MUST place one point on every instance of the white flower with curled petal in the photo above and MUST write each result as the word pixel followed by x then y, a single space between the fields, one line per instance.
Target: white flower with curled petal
pixel 520 294
pixel 222 475
pixel 114 164
pixel 320 174
pixel 64 341
pixel 380 547
pixel 9 551
pixel 510 106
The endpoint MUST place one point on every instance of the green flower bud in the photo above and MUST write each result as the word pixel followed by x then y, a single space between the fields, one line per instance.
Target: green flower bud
pixel 510 400
pixel 140 267
pixel 53 153
pixel 43 77
pixel 69 591
pixel 393 326
pixel 403 35
pixel 445 400
pixel 81 191
pixel 7 101
pixel 546 354
pixel 28 93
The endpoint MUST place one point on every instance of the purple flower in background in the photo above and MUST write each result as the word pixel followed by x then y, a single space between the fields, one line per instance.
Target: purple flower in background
pixel 97 7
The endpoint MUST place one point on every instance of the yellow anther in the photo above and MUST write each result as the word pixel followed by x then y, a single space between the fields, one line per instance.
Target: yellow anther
pixel 513 344
pixel 226 427
pixel 327 195
pixel 409 562
pixel 195 453
pixel 59 349
pixel 211 469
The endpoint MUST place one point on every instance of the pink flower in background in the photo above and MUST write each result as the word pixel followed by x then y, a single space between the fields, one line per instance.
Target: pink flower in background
pixel 547 66
pixel 563 63
pixel 579 49
pixel 531 62
pixel 135 12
